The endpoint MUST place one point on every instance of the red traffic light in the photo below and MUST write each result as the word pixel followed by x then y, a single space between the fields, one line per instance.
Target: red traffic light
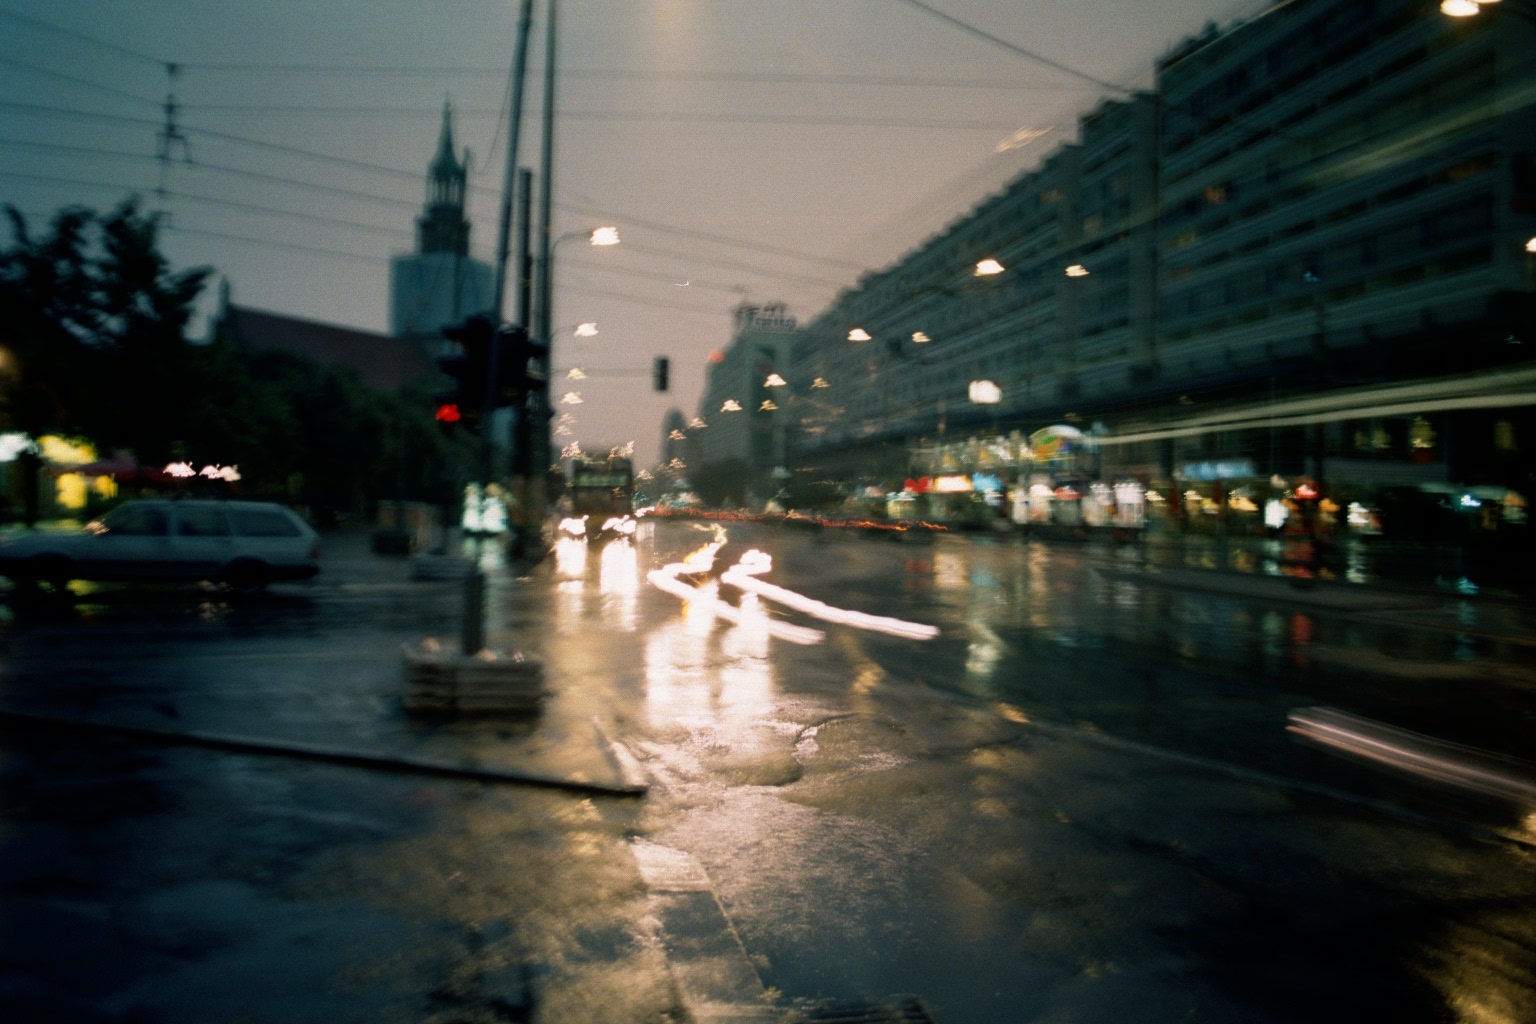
pixel 448 412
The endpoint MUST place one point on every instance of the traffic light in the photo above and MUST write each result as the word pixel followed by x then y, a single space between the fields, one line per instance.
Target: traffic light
pixel 470 368
pixel 659 373
pixel 522 368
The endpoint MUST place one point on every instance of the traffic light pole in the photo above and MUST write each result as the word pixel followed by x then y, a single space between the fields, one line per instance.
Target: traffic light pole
pixel 539 408
pixel 473 638
pixel 514 129
pixel 522 436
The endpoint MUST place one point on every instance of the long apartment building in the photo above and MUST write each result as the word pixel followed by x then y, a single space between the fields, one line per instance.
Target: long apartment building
pixel 1334 195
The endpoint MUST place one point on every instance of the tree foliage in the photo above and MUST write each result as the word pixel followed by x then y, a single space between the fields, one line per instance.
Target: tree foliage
pixel 93 324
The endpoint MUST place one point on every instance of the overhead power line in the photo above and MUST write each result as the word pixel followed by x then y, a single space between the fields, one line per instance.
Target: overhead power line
pixel 231 204
pixel 642 301
pixel 619 116
pixel 1038 58
pixel 50 73
pixel 584 205
pixel 713 261
pixel 203 165
pixel 81 37
pixel 637 74
pixel 577 207
pixel 361 165
pixel 646 275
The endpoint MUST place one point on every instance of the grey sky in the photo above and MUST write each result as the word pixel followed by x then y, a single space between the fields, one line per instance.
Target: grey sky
pixel 836 129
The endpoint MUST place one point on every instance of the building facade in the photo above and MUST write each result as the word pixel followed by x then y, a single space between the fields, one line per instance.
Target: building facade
pixel 742 417
pixel 1332 198
pixel 439 284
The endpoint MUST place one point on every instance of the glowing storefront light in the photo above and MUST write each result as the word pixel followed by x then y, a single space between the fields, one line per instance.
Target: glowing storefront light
pixel 13 444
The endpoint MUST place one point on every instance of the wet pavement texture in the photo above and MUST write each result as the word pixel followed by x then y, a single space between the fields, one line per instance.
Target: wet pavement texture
pixel 1079 802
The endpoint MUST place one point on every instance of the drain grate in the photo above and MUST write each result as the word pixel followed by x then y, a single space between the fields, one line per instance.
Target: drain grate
pixel 896 1010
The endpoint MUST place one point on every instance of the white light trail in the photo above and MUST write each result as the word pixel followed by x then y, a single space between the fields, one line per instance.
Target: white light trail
pixel 744 575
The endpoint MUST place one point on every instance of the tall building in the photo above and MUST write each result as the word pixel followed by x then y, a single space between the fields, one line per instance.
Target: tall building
pixel 1334 196
pixel 439 284
pixel 742 407
pixel 674 439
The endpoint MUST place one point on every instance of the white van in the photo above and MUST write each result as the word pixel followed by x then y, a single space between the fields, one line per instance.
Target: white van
pixel 244 543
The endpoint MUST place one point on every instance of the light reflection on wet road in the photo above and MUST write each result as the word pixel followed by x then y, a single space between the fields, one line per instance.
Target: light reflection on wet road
pixel 1080 799
pixel 1077 802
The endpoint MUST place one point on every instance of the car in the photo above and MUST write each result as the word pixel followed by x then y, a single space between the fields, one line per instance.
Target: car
pixel 246 544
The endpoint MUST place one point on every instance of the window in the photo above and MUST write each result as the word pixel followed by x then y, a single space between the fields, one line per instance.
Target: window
pixel 260 522
pixel 205 521
pixel 138 521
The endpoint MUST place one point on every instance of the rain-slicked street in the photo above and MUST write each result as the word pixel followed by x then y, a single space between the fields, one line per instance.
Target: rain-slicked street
pixel 1078 801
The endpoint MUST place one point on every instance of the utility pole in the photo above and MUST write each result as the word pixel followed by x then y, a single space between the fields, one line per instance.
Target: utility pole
pixel 170 134
pixel 538 408
pixel 504 233
pixel 514 128
pixel 522 454
pixel 473 638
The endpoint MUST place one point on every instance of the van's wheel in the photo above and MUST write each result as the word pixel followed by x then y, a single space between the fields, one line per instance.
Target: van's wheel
pixel 248 577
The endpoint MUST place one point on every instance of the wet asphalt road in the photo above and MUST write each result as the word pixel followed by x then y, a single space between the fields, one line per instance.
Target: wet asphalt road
pixel 1078 803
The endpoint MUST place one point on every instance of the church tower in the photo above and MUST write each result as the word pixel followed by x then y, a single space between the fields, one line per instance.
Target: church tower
pixel 442 226
pixel 439 284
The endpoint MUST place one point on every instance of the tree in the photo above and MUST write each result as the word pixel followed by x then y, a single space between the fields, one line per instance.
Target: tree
pixel 93 319
pixel 92 326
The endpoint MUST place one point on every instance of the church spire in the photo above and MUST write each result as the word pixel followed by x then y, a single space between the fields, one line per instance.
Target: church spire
pixel 442 226
pixel 444 166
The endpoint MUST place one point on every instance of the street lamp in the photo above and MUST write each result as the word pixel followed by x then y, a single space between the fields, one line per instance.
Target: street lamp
pixel 858 334
pixel 586 330
pixel 989 267
pixel 985 392
pixel 920 338
pixel 1531 245
pixel 1078 270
